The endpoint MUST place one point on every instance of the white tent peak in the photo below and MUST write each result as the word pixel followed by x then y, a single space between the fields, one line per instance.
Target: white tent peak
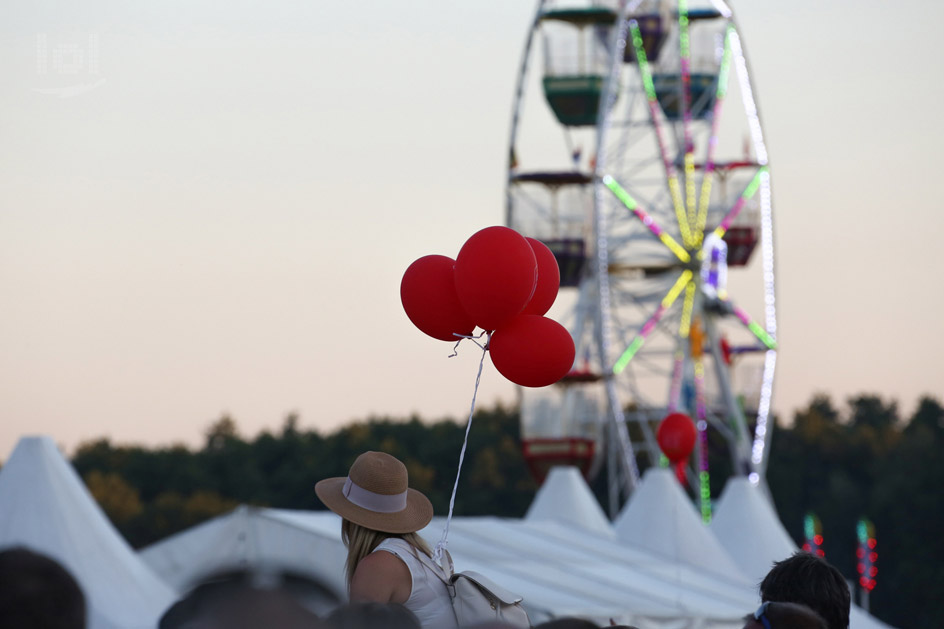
pixel 45 506
pixel 565 497
pixel 660 517
pixel 748 527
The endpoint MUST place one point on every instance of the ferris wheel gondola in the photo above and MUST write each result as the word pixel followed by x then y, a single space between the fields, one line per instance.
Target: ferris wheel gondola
pixel 637 155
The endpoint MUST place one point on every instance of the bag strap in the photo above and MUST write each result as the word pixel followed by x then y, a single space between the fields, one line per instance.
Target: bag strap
pixel 444 570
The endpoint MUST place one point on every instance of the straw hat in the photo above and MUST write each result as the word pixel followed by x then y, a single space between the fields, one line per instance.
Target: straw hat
pixel 376 495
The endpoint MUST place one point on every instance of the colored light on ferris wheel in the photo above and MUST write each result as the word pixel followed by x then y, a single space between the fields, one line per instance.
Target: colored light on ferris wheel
pixel 647 220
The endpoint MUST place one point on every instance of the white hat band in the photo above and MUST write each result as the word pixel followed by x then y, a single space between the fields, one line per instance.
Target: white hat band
pixel 381 503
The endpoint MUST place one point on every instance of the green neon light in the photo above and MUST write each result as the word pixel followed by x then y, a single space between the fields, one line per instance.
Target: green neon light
pixel 641 61
pixel 725 65
pixel 752 187
pixel 705 496
pixel 683 29
pixel 761 334
pixel 620 193
pixel 627 355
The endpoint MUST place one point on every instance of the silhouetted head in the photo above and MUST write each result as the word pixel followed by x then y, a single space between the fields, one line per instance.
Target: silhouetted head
pixel 809 580
pixel 772 615
pixel 37 591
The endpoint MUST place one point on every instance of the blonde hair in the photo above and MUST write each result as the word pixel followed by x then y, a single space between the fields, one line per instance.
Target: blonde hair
pixel 362 541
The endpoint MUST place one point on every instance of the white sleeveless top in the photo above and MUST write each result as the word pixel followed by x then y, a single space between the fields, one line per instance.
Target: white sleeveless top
pixel 429 599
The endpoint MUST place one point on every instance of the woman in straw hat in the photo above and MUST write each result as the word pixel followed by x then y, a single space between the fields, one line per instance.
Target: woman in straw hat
pixel 387 560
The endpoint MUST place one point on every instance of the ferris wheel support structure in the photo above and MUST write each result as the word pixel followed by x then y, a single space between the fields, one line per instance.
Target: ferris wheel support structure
pixel 670 206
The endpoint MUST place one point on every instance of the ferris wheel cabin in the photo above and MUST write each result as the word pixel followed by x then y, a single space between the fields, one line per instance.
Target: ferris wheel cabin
pixel 575 48
pixel 569 250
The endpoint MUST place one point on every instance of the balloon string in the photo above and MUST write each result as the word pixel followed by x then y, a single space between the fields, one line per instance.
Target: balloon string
pixel 437 553
pixel 462 337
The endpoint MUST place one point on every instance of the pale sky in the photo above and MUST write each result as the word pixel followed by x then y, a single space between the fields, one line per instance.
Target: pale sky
pixel 206 207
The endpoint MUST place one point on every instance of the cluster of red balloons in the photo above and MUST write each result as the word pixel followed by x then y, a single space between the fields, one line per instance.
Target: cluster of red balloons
pixel 503 283
pixel 676 436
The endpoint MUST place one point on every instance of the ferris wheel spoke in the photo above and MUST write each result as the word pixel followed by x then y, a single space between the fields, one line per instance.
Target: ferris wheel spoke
pixel 645 72
pixel 720 93
pixel 650 324
pixel 749 191
pixel 685 71
pixel 756 329
pixel 647 220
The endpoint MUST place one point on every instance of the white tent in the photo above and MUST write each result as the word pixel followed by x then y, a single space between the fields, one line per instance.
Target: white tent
pixel 660 516
pixel 559 562
pixel 560 570
pixel 565 497
pixel 306 543
pixel 748 527
pixel 45 506
pixel 551 564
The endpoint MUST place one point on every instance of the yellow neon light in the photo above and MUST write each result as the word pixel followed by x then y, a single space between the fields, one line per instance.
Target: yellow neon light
pixel 687 306
pixel 703 208
pixel 676 193
pixel 690 193
pixel 676 289
pixel 676 248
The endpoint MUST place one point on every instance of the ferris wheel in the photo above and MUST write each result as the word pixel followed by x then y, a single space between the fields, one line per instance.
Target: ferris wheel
pixel 638 156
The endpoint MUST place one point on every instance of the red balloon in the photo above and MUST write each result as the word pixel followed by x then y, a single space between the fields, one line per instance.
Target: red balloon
pixel 680 471
pixel 428 295
pixel 496 273
pixel 548 279
pixel 532 351
pixel 676 436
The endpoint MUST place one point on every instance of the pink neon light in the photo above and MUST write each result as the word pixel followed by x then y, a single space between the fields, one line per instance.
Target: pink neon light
pixel 650 325
pixel 648 221
pixel 741 314
pixel 738 206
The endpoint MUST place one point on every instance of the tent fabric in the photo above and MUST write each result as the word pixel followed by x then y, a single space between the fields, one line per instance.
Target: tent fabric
pixel 565 497
pixel 264 540
pixel 748 527
pixel 611 580
pixel 560 570
pixel 45 506
pixel 660 516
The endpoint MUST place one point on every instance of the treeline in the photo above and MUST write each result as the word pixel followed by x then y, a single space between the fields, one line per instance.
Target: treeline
pixel 867 461
pixel 860 461
pixel 152 493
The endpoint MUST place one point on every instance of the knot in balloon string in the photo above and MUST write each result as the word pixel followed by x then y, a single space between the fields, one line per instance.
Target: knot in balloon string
pixel 473 338
pixel 441 545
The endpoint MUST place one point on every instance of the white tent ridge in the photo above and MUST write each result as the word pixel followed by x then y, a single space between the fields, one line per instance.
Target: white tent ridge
pixel 45 507
pixel 662 517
